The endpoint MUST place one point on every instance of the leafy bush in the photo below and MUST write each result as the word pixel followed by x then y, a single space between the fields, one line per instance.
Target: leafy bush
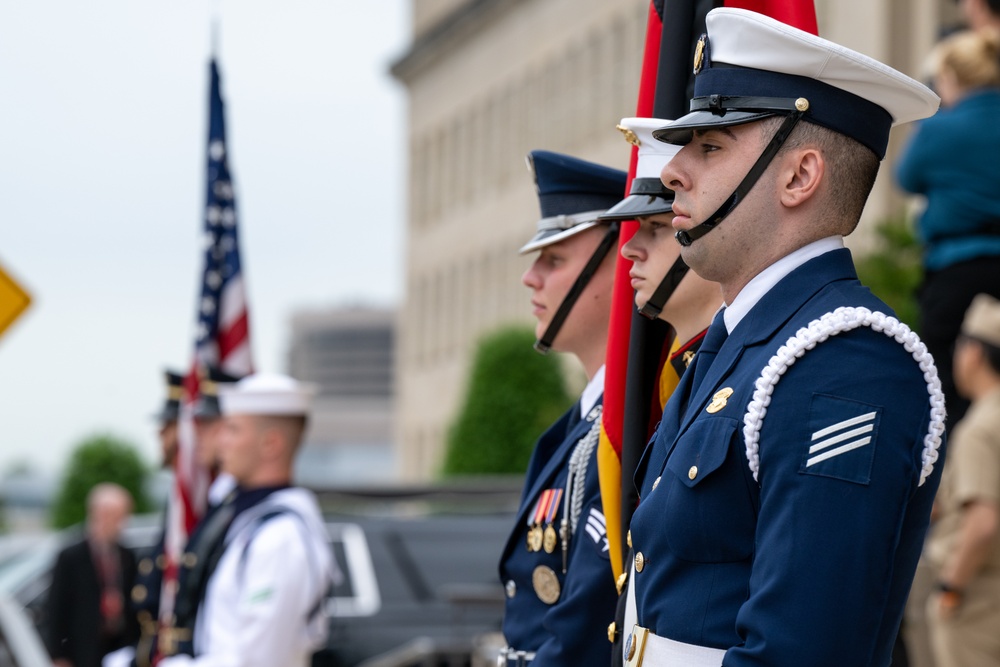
pixel 894 270
pixel 98 459
pixel 513 395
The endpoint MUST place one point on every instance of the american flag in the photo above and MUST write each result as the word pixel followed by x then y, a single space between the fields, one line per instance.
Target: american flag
pixel 222 338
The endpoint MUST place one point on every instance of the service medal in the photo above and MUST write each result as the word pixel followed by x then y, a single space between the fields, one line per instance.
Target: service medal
pixel 535 539
pixel 550 539
pixel 546 584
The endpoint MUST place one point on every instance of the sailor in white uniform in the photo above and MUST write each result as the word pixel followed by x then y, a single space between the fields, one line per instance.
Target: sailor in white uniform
pixel 262 572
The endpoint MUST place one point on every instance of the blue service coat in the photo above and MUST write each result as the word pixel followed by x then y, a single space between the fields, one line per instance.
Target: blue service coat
pixel 573 630
pixel 813 564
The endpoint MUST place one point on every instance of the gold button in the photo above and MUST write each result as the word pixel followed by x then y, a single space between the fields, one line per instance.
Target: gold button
pixel 190 559
pixel 693 472
pixel 161 562
pixel 620 583
pixel 139 593
pixel 628 539
pixel 612 631
pixel 640 562
pixel 146 566
pixel 656 482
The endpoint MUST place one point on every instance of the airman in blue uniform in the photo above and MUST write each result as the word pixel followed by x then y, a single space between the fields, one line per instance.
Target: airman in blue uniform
pixel 145 593
pixel 664 286
pixel 560 590
pixel 785 496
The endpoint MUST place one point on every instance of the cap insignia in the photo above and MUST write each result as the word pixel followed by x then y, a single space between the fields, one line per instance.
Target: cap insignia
pixel 699 53
pixel 630 136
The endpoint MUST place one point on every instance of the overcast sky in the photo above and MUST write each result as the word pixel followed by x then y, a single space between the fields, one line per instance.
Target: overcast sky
pixel 103 114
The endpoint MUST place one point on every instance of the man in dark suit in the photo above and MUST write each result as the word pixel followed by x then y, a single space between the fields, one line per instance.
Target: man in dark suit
pixel 86 609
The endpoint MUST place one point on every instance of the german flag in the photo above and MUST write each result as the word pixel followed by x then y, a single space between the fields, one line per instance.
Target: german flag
pixel 637 381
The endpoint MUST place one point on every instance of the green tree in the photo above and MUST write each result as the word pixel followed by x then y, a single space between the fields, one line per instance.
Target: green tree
pixel 893 271
pixel 101 458
pixel 513 395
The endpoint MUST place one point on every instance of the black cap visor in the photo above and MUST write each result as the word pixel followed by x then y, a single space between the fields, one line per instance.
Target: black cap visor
pixel 635 206
pixel 682 130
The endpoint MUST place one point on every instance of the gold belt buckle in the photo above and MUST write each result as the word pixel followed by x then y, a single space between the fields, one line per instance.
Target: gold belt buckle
pixel 635 646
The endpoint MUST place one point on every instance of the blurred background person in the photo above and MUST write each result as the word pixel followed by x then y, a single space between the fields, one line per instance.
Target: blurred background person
pixel 951 161
pixel 145 593
pixel 964 612
pixel 208 428
pixel 981 14
pixel 251 590
pixel 86 608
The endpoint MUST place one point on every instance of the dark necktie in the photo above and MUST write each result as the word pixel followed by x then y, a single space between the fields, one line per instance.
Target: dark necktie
pixel 710 346
pixel 112 602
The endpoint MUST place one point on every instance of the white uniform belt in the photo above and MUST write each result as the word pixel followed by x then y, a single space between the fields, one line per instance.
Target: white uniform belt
pixel 653 651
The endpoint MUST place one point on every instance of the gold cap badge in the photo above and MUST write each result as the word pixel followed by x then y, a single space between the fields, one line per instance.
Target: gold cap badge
pixel 699 53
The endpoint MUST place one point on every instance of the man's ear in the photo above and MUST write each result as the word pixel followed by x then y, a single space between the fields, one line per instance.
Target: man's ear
pixel 802 174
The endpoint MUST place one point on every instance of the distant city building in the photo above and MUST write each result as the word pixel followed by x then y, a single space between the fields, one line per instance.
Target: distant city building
pixel 348 354
pixel 489 80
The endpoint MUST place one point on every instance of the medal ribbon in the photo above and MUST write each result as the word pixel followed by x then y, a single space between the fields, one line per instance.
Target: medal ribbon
pixel 553 508
pixel 540 508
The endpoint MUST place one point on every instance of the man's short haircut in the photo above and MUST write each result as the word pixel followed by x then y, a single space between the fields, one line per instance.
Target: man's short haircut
pixel 291 426
pixel 851 169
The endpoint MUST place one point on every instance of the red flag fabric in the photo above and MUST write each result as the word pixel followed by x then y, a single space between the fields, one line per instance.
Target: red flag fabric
pixel 800 14
pixel 616 362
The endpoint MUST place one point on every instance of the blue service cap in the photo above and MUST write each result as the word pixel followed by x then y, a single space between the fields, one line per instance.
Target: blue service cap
pixel 750 66
pixel 172 405
pixel 647 194
pixel 571 194
pixel 209 381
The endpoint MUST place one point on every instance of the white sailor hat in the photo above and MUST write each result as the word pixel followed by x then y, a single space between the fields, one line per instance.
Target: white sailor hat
pixel 571 194
pixel 982 320
pixel 266 394
pixel 750 66
pixel 647 194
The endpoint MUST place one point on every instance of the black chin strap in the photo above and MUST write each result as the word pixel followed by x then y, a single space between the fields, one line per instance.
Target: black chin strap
pixel 544 344
pixel 654 305
pixel 686 238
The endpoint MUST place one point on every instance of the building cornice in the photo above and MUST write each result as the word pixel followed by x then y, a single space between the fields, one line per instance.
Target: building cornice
pixel 448 33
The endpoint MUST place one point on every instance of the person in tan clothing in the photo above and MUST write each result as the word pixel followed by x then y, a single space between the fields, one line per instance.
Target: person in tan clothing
pixel 964 612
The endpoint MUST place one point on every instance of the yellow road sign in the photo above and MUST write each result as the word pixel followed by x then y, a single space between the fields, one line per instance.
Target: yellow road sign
pixel 13 300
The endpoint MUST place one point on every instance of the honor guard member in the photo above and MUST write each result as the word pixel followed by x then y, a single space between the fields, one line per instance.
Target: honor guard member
pixel 787 491
pixel 555 567
pixel 208 426
pixel 664 288
pixel 964 546
pixel 145 594
pixel 258 580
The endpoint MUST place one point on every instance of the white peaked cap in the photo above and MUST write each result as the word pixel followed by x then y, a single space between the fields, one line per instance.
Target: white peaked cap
pixel 750 62
pixel 267 394
pixel 653 155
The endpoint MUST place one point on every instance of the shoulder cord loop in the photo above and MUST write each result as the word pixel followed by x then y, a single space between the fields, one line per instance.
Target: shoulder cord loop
pixel 841 320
